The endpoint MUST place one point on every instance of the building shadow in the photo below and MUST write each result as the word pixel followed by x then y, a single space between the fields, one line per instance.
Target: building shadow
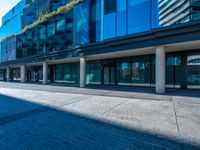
pixel 25 125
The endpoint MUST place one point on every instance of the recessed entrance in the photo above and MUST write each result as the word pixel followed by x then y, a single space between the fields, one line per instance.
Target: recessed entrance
pixel 109 73
pixel 34 74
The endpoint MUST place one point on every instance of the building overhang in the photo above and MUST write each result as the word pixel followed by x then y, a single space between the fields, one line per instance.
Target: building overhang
pixel 178 37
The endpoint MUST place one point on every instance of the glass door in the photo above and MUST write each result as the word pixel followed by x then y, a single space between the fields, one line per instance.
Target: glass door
pixel 109 75
pixel 106 76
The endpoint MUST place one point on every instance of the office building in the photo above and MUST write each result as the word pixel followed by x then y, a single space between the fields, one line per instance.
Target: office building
pixel 112 43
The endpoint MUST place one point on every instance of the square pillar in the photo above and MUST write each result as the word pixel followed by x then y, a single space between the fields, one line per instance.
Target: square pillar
pixel 45 73
pixel 82 72
pixel 160 70
pixel 22 73
pixel 7 74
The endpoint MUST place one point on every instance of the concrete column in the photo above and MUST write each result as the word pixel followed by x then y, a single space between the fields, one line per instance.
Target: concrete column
pixel 22 73
pixel 82 72
pixel 45 73
pixel 8 74
pixel 160 70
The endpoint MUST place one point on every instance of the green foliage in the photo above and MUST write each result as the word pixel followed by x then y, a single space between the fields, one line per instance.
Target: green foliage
pixel 47 16
pixel 7 38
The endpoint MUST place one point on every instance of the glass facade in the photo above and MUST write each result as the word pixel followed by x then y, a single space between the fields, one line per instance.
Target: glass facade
pixel 34 74
pixel 94 21
pixel 131 71
pixel 11 22
pixel 55 34
pixel 81 23
pixel 182 71
pixel 64 73
pixel 15 74
pixel 3 75
pixel 8 50
pixel 91 21
pixel 93 72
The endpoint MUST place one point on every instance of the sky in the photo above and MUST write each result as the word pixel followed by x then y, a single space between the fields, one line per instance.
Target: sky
pixel 5 6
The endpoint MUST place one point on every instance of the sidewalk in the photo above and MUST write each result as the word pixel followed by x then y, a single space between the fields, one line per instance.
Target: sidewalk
pixel 44 118
pixel 113 91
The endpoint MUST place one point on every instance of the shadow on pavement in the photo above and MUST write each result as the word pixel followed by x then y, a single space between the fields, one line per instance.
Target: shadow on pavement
pixel 26 125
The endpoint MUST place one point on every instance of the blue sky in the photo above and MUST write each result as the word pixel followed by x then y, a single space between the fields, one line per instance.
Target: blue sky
pixel 6 5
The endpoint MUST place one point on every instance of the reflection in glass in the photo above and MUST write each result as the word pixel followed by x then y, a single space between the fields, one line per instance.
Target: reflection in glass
pixel 193 71
pixel 124 67
pixel 141 71
pixel 93 72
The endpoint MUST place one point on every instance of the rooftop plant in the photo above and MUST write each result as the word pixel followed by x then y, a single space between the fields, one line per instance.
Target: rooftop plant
pixel 7 38
pixel 52 14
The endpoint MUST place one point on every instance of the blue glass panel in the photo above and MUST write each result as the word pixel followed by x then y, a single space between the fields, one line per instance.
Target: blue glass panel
pixel 121 5
pixel 121 17
pixel 81 23
pixel 154 13
pixel 138 16
pixel 121 23
pixel 99 20
pixel 110 26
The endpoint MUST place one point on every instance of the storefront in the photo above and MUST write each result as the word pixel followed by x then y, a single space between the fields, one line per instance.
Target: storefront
pixel 15 74
pixel 3 75
pixel 67 73
pixel 182 71
pixel 34 74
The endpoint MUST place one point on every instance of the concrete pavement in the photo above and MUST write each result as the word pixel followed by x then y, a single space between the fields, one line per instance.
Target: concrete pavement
pixel 42 119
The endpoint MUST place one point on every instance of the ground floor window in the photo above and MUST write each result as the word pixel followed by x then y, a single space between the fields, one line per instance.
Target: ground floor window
pixel 131 71
pixel 182 71
pixel 34 74
pixel 15 74
pixel 64 73
pixel 2 75
pixel 93 72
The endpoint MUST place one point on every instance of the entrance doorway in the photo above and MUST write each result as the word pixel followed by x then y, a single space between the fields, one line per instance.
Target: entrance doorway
pixel 109 73
pixel 34 74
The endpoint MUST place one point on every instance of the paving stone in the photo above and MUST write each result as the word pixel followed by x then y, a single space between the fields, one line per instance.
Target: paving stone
pixel 40 120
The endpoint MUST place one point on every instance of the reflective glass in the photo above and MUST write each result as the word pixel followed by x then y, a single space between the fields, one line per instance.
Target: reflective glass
pixel 51 29
pixel 81 23
pixel 110 26
pixel 60 26
pixel 141 71
pixel 193 71
pixel 139 17
pixel 93 72
pixel 124 67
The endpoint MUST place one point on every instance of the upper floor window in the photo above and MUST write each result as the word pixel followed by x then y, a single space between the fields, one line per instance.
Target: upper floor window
pixel 51 29
pixel 110 6
pixel 60 26
pixel 43 33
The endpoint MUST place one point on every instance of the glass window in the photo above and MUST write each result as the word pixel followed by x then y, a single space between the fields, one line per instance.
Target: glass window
pixel 170 71
pixel 51 29
pixel 121 17
pixel 43 33
pixel 124 67
pixel 75 73
pixel 66 73
pixel 60 26
pixel 141 71
pixel 110 26
pixel 59 73
pixel 193 71
pixel 138 16
pixel 81 23
pixel 109 6
pixel 94 72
